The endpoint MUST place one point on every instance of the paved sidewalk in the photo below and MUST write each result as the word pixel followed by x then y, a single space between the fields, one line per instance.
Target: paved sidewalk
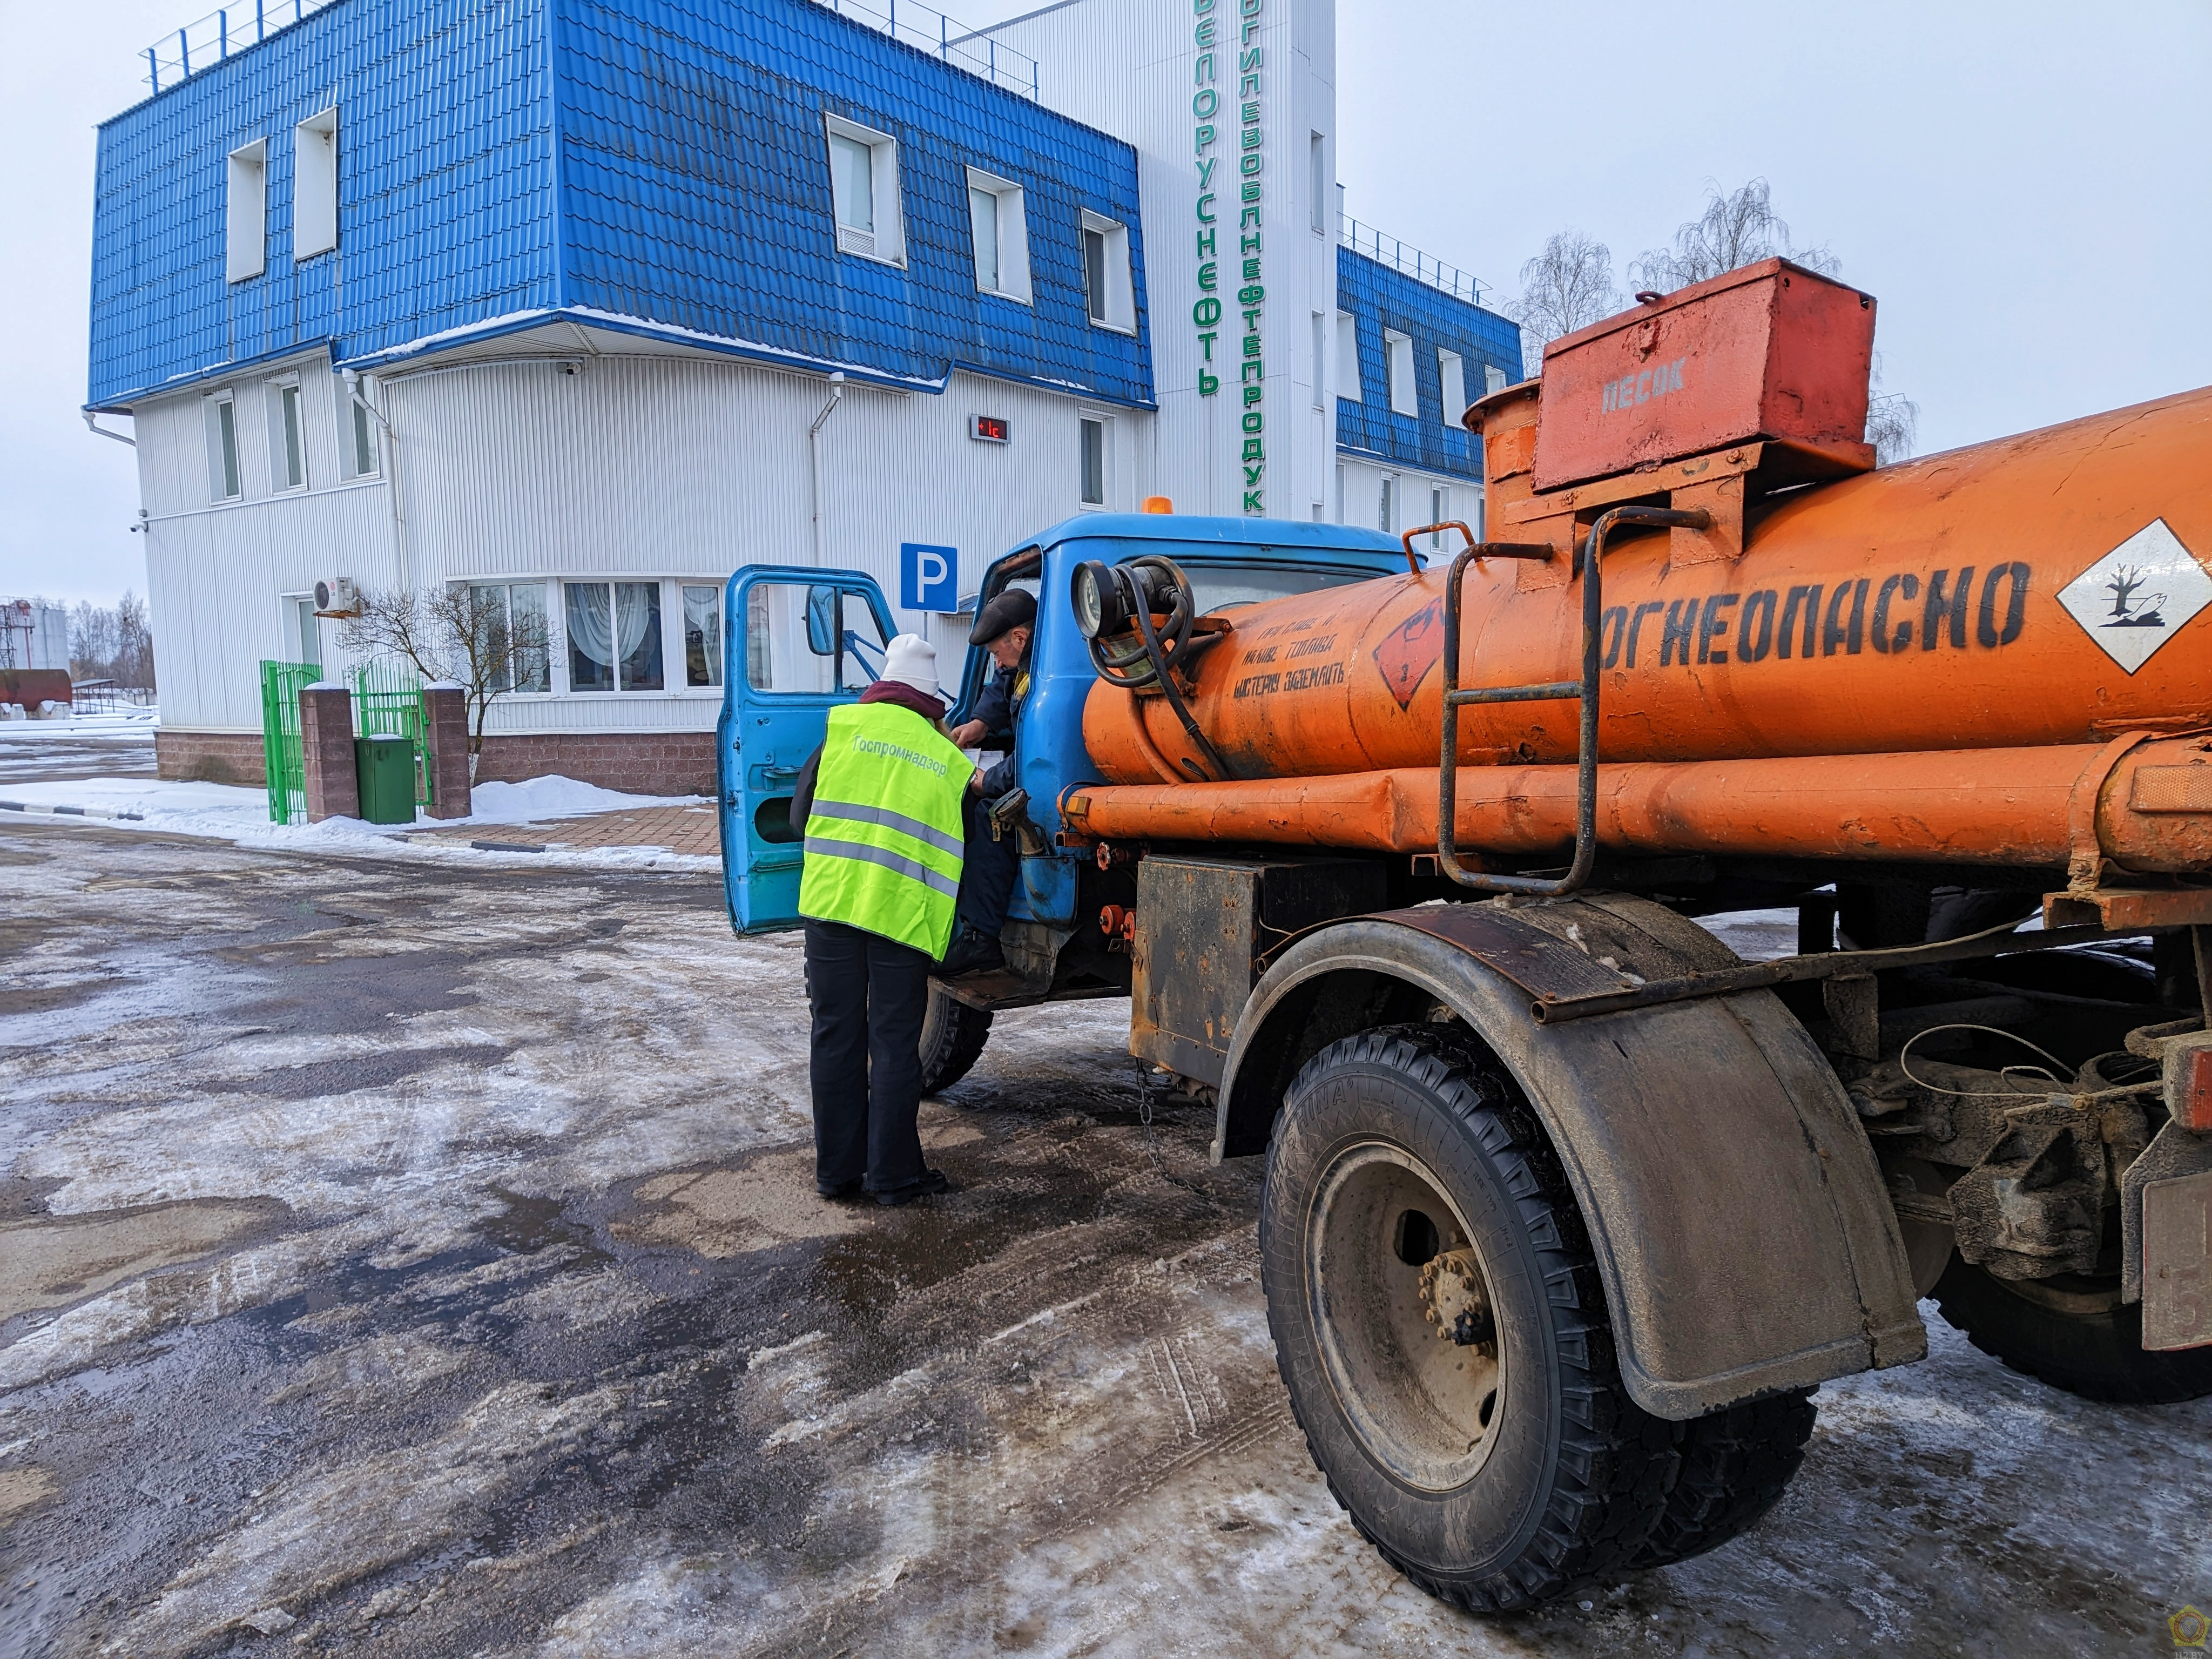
pixel 693 830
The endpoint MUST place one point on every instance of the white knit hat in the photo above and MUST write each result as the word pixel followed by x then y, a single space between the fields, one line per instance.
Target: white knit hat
pixel 911 660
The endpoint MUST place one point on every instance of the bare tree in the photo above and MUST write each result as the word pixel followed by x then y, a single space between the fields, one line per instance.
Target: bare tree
pixel 458 634
pixel 134 642
pixel 1893 421
pixel 1566 287
pixel 1736 229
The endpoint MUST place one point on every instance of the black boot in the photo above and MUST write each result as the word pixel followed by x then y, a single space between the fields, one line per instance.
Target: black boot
pixel 971 951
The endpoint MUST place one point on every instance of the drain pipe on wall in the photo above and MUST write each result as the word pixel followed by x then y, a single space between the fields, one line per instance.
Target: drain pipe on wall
pixel 392 461
pixel 814 455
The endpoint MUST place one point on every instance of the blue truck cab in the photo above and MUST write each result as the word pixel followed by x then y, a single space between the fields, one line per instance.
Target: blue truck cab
pixel 799 641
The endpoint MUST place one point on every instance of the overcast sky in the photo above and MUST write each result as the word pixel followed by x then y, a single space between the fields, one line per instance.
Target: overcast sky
pixel 2024 186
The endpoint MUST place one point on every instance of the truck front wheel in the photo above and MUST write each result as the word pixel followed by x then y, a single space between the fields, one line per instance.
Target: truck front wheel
pixel 953 1039
pixel 1441 1327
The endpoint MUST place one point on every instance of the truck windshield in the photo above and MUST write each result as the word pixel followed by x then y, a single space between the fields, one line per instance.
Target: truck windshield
pixel 1225 586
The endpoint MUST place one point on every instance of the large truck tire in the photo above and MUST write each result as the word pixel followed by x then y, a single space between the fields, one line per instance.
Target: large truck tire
pixel 1735 1462
pixel 2077 1335
pixel 1440 1325
pixel 953 1039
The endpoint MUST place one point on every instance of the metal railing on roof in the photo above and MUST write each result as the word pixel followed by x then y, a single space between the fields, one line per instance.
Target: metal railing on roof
pixel 947 37
pixel 210 40
pixel 1421 267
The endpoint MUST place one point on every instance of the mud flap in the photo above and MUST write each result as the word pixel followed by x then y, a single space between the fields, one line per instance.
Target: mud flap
pixel 1740 1226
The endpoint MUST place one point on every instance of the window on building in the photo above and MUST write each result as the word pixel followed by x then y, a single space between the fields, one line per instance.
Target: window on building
pixel 1320 356
pixel 357 445
pixel 1110 291
pixel 614 635
pixel 512 616
pixel 221 416
pixel 1494 379
pixel 1387 511
pixel 998 220
pixel 864 191
pixel 702 635
pixel 1341 503
pixel 1093 430
pixel 246 213
pixel 1318 165
pixel 1404 396
pixel 1348 357
pixel 1439 513
pixel 315 185
pixel 307 632
pixel 1452 370
pixel 288 440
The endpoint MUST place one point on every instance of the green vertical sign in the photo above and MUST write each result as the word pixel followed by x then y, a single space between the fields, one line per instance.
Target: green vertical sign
pixel 1243 292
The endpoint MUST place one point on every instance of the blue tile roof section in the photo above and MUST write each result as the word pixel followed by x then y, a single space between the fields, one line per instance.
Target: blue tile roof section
pixel 1381 298
pixel 654 164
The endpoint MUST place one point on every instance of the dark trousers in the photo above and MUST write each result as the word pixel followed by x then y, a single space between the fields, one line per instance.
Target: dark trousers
pixel 869 995
pixel 987 870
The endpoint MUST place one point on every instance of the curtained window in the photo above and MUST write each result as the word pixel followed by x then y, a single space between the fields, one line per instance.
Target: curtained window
pixel 702 635
pixel 614 635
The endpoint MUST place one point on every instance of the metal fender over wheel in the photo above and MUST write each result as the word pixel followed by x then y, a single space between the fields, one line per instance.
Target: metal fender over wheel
pixel 1441 1328
pixel 953 1039
pixel 1733 1208
pixel 2074 1334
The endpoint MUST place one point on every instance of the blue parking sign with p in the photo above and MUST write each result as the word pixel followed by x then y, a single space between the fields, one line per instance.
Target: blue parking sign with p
pixel 929 578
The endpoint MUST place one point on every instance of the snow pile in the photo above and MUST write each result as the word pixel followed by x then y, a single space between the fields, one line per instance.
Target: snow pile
pixel 223 812
pixel 131 725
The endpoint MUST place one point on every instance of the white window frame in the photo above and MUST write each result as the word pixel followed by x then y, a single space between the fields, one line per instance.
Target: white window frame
pixel 226 476
pixel 1388 508
pixel 1405 389
pixel 1318 161
pixel 1086 420
pixel 356 426
pixel 1320 357
pixel 548 595
pixel 1347 358
pixel 299 620
pixel 1494 379
pixel 288 441
pixel 1451 374
pixel 1009 227
pixel 1119 284
pixel 315 185
pixel 245 212
pixel 1440 512
pixel 886 243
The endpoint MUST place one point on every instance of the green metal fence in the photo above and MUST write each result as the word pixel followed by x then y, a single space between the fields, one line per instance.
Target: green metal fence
pixel 281 683
pixel 388 701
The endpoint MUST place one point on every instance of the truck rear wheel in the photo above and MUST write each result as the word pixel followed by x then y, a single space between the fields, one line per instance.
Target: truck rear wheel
pixel 1735 1463
pixel 2074 1334
pixel 1440 1325
pixel 953 1039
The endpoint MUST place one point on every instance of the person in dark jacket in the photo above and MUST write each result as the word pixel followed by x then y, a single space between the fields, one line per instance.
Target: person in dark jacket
pixel 1004 628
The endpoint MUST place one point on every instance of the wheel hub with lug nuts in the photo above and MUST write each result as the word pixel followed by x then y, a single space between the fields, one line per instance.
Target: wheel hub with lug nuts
pixel 1455 1302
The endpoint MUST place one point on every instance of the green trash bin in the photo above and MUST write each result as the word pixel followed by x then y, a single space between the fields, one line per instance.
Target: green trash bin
pixel 386 766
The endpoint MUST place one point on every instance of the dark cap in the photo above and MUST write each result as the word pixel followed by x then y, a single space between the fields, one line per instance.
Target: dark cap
pixel 1015 608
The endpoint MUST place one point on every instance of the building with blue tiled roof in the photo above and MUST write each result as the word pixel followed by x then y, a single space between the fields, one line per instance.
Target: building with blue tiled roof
pixel 588 303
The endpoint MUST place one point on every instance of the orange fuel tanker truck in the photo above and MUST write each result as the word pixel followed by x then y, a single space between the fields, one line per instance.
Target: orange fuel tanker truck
pixel 1570 1207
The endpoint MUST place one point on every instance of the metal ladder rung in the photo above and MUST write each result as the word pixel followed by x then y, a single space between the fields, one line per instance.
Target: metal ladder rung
pixel 1546 691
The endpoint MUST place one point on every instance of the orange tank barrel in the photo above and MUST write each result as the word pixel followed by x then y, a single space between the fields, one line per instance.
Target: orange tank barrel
pixel 2149 803
pixel 2042 589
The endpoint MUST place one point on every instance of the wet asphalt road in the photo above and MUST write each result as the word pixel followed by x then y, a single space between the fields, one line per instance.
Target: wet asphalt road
pixel 422 1260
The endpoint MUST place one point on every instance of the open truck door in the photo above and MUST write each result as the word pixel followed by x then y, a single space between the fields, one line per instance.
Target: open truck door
pixel 799 642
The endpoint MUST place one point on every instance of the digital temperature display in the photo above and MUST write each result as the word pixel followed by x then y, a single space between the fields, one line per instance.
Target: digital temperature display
pixel 990 428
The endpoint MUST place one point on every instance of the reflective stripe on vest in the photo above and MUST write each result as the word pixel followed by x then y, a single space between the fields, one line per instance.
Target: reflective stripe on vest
pixel 884 841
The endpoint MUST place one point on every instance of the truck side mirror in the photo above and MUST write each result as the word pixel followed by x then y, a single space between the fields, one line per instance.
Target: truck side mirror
pixel 822 620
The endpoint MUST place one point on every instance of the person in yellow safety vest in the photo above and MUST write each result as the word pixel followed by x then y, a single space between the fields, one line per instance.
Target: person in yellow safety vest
pixel 881 802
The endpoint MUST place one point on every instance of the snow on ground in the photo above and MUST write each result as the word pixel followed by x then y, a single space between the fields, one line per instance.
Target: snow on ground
pixel 227 812
pixel 132 724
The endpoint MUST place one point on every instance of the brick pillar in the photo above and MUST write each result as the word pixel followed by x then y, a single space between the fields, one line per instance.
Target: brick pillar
pixel 326 751
pixel 446 707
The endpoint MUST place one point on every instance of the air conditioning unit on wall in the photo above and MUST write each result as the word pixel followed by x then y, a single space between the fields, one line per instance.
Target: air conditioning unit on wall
pixel 336 596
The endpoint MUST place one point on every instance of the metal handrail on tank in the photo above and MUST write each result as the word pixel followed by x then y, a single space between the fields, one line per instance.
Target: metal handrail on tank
pixel 1584 691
